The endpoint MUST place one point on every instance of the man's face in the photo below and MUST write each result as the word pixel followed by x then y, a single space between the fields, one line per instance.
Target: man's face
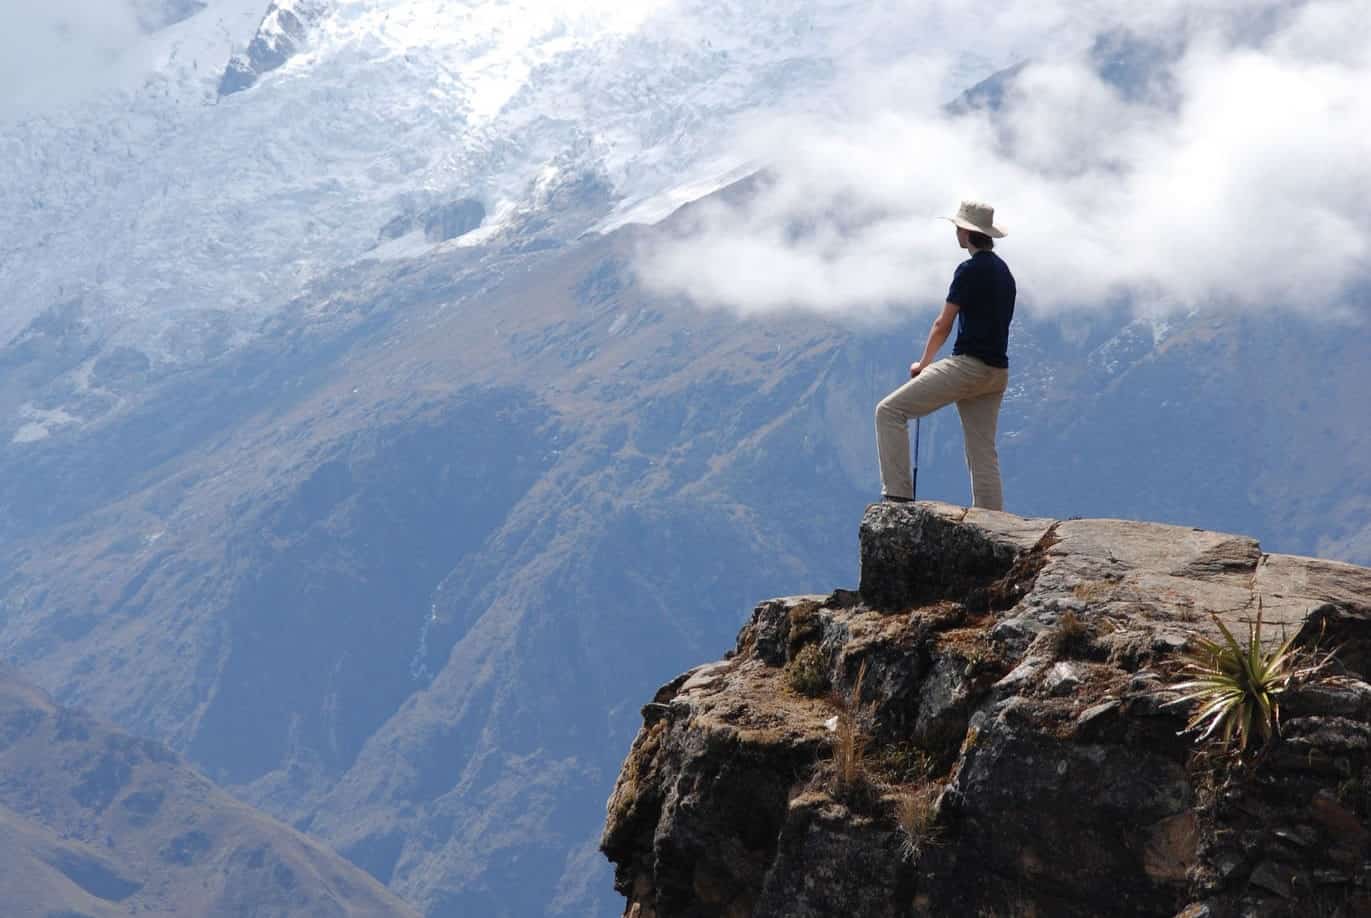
pixel 963 236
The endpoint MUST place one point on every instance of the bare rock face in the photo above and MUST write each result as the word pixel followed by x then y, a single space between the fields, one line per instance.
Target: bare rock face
pixel 912 557
pixel 1015 757
pixel 282 32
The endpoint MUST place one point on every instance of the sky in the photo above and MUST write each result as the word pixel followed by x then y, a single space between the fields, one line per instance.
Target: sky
pixel 1236 178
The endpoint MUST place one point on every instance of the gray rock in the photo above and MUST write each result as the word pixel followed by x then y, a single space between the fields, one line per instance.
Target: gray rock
pixel 1348 697
pixel 1300 836
pixel 1068 803
pixel 283 31
pixel 1228 862
pixel 1332 735
pixel 1020 676
pixel 453 220
pixel 943 705
pixel 913 553
pixel 1017 632
pixel 1269 876
pixel 769 633
pixel 397 226
pixel 1169 642
pixel 1062 679
pixel 1097 712
pixel 831 861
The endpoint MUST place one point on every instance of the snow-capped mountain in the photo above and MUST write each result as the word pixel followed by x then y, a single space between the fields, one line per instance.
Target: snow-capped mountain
pixel 239 152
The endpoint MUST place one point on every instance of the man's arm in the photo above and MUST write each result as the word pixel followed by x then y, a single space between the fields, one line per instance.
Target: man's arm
pixel 937 337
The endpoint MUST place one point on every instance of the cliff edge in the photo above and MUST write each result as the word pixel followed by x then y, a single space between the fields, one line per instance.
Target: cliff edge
pixel 983 729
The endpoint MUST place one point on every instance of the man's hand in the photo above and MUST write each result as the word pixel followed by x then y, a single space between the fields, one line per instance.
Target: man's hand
pixel 937 336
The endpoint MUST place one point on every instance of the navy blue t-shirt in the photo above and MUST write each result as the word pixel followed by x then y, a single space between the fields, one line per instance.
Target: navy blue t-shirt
pixel 984 290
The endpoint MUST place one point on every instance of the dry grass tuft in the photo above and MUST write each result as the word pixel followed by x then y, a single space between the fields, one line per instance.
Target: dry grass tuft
pixel 1070 637
pixel 850 780
pixel 972 644
pixel 1093 590
pixel 917 815
pixel 849 739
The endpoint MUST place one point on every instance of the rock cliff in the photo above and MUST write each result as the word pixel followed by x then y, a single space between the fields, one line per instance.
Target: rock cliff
pixel 982 729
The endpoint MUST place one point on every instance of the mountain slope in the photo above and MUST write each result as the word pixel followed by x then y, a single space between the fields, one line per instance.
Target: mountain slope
pixel 94 822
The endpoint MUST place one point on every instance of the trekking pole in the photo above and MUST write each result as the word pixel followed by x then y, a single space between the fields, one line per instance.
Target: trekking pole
pixel 914 484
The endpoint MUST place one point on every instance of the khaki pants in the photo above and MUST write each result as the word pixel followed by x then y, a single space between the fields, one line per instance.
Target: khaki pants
pixel 978 389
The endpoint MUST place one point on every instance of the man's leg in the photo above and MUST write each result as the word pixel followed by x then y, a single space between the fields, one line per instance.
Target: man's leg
pixel 938 385
pixel 980 418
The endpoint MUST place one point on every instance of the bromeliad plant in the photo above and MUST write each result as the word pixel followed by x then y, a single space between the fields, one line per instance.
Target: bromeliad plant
pixel 1238 685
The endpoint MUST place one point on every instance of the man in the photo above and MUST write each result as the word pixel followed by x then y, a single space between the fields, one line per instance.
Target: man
pixel 981 301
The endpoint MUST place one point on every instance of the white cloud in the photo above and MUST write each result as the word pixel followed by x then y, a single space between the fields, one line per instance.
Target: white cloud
pixel 54 51
pixel 1240 181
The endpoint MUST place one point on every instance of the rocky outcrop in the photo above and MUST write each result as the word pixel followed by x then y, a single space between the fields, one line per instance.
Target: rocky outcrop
pixel 452 220
pixel 440 222
pixel 1007 680
pixel 283 31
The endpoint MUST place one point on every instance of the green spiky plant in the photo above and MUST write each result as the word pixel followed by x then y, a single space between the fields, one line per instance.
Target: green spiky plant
pixel 1238 686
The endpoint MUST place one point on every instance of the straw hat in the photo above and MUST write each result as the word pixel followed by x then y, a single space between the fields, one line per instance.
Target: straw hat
pixel 977 217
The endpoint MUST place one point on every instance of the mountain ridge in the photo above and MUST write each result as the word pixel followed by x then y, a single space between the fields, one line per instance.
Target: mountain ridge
pixel 100 823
